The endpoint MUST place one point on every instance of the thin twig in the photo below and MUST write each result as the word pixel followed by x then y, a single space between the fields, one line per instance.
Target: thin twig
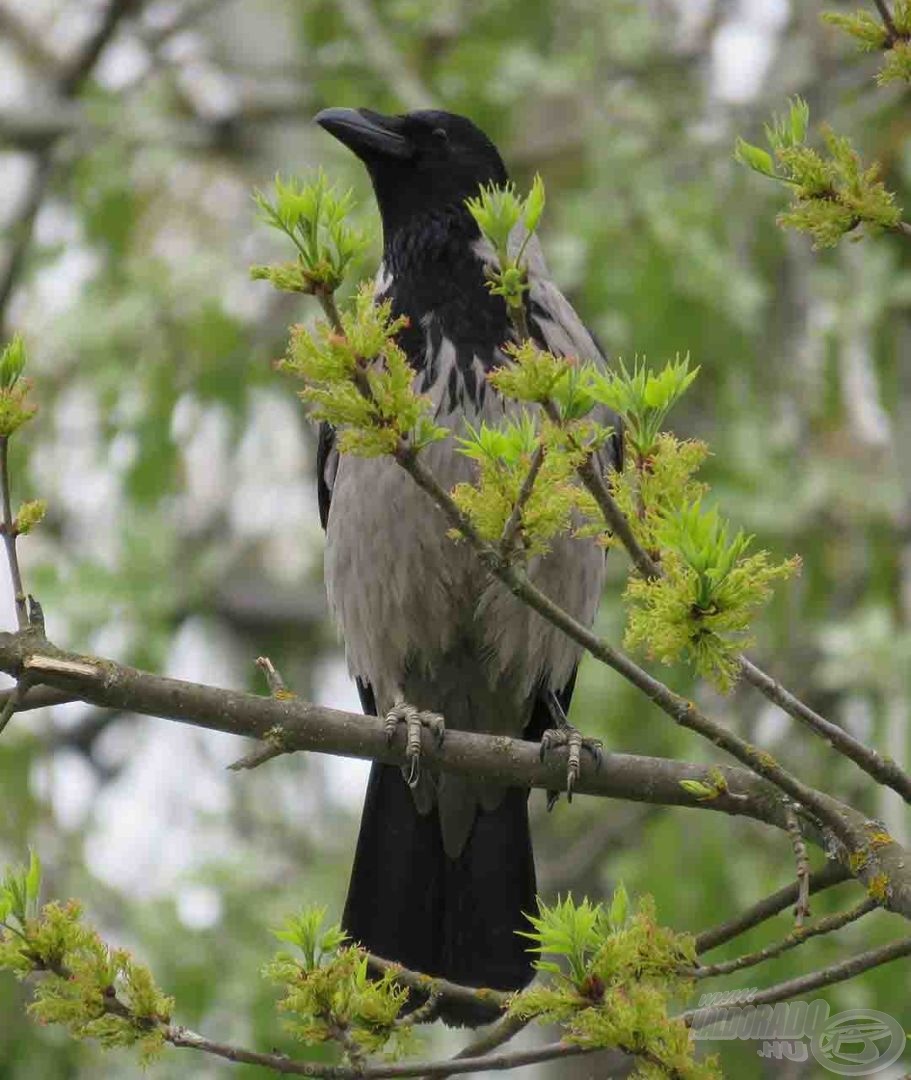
pixel 802 907
pixel 434 1070
pixel 280 1063
pixel 815 980
pixel 678 708
pixel 833 873
pixel 886 15
pixel 513 526
pixel 424 1014
pixel 277 686
pixel 884 770
pixel 35 697
pixel 272 745
pixel 497 1034
pixel 797 937
pixel 453 993
pixel 11 703
pixel 266 751
pixel 10 536
pixel 81 66
pixel 326 298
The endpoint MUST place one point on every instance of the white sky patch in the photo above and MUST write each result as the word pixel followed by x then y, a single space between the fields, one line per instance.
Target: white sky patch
pixel 122 63
pixel 199 907
pixel 346 777
pixel 68 781
pixel 741 55
pixel 148 831
pixel 15 82
pixel 744 47
pixel 15 171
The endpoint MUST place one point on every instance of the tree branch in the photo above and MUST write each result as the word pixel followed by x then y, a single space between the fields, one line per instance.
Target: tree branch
pixel 834 973
pixel 441 988
pixel 683 712
pixel 795 938
pixel 300 725
pixel 833 873
pixel 513 525
pixel 883 8
pixel 432 1070
pixel 885 771
pixel 9 535
pixel 802 908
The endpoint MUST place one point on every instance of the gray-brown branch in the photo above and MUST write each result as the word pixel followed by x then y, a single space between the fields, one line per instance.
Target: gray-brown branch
pixel 300 725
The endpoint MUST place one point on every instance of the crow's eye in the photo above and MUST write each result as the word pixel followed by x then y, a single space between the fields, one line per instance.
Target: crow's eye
pixel 440 135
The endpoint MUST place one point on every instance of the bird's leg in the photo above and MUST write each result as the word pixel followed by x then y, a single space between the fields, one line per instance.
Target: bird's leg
pixel 564 734
pixel 414 720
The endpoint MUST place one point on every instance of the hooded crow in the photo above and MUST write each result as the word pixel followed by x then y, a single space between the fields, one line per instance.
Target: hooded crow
pixel 444 876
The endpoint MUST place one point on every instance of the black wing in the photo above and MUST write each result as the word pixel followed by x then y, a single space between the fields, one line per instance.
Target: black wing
pixel 326 466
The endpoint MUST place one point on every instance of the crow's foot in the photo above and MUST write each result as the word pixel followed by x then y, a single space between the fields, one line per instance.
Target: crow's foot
pixel 576 742
pixel 564 734
pixel 414 721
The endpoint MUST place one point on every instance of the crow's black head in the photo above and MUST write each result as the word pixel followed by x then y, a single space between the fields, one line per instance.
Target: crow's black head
pixel 421 162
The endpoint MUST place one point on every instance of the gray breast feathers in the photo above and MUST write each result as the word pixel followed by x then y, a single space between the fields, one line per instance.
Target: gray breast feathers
pixel 405 594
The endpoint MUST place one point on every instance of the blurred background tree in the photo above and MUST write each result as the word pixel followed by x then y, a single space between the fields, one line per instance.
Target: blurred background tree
pixel 182 532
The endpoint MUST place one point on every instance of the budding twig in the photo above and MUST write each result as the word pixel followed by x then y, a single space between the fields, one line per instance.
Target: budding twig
pixel 10 535
pixel 513 526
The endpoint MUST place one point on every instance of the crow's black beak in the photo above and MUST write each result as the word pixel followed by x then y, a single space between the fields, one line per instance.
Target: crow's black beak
pixel 366 133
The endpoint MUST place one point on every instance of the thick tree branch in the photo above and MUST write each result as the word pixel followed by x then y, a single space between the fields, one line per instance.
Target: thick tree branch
pixel 300 725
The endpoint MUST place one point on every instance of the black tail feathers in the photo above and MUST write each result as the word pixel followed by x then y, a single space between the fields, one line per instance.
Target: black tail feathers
pixel 454 918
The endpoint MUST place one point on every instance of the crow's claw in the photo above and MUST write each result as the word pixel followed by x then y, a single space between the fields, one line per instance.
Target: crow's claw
pixel 415 721
pixel 575 742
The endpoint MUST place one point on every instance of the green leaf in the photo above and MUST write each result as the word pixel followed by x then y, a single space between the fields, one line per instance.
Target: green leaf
pixel 533 207
pixel 755 157
pixel 800 119
pixel 12 363
pixel 619 907
pixel 33 880
pixel 699 790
